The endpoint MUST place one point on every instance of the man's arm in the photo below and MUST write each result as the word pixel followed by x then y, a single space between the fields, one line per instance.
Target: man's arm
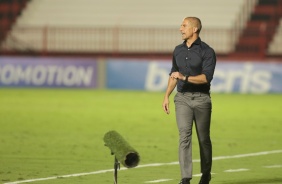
pixel 198 79
pixel 170 87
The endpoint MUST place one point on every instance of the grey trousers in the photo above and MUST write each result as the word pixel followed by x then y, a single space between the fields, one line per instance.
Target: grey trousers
pixel 195 107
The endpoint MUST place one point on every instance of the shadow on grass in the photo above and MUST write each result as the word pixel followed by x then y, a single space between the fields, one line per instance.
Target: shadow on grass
pixel 257 181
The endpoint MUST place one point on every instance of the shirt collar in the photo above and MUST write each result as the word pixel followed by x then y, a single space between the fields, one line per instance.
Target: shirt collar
pixel 196 42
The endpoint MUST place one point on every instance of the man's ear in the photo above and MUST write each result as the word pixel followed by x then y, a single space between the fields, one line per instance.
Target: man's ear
pixel 195 29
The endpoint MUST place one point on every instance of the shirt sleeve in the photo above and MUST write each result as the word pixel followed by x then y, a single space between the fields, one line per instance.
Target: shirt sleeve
pixel 209 62
pixel 174 67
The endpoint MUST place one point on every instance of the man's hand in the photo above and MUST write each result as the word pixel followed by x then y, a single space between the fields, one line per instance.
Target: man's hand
pixel 166 105
pixel 172 82
pixel 177 75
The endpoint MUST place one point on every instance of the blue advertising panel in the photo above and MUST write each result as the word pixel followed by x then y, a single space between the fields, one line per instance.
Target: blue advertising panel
pixel 48 72
pixel 239 77
pixel 137 74
pixel 248 77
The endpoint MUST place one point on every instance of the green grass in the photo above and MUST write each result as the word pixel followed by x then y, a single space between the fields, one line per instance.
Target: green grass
pixel 55 132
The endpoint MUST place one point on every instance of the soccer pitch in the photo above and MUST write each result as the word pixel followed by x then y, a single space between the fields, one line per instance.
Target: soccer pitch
pixel 56 136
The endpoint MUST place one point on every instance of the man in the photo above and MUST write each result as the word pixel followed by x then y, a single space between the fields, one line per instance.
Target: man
pixel 192 70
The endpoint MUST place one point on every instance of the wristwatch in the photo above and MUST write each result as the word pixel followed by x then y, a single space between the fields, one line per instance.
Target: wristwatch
pixel 186 77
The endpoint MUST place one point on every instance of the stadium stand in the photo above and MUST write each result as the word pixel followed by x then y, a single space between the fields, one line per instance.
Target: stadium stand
pixel 275 46
pixel 129 13
pixel 260 28
pixel 126 26
pixel 9 11
pixel 116 26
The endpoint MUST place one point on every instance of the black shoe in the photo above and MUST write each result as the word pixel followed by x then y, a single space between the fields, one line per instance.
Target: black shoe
pixel 205 179
pixel 185 181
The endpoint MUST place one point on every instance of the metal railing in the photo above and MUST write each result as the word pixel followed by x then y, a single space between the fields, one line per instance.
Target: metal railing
pixel 109 40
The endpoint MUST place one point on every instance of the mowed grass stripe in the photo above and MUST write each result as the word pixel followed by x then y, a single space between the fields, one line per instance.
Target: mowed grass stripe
pixel 153 165
pixel 54 132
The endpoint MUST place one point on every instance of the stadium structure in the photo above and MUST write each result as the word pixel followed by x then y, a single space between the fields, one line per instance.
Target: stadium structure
pixel 235 29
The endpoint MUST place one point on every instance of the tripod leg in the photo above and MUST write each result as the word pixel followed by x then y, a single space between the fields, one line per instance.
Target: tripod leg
pixel 116 167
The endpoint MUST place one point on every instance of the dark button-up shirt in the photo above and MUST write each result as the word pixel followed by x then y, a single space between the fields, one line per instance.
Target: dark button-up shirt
pixel 198 59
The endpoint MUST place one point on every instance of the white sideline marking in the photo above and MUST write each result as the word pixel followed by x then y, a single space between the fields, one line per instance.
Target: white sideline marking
pixel 163 180
pixel 199 175
pixel 158 181
pixel 273 166
pixel 147 165
pixel 236 170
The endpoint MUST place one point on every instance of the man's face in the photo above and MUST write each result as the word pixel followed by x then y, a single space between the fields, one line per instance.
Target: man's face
pixel 186 29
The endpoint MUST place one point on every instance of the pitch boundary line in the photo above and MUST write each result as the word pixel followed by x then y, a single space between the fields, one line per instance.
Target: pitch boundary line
pixel 145 165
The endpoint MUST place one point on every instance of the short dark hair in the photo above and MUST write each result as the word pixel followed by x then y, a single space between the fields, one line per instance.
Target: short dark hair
pixel 196 22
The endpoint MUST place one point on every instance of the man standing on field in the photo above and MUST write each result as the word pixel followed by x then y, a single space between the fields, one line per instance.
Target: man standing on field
pixel 193 66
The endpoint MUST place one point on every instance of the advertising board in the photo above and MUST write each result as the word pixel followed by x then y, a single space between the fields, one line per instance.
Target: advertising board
pixel 48 72
pixel 229 76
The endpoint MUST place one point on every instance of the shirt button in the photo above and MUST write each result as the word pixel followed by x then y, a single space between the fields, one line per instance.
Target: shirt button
pixel 186 58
